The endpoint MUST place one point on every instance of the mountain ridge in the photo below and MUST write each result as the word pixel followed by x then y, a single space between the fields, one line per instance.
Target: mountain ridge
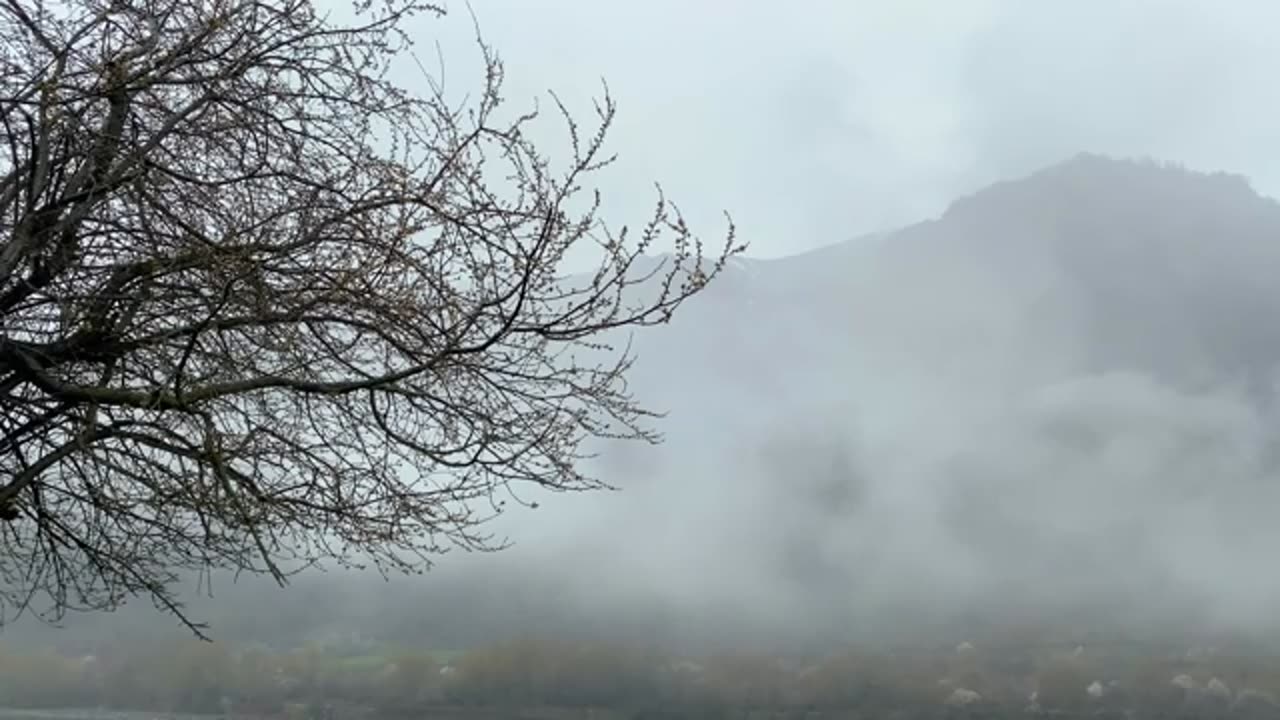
pixel 1083 167
pixel 1099 328
pixel 1109 237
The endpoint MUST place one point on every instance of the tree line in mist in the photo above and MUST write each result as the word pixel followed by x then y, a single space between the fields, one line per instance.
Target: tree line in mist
pixel 565 678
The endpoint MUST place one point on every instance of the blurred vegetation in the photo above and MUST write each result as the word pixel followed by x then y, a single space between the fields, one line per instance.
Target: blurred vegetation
pixel 611 680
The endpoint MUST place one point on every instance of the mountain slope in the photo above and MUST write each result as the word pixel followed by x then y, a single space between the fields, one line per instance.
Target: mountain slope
pixel 1074 367
pixel 1140 266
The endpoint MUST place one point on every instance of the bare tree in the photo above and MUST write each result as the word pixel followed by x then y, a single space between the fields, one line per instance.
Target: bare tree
pixel 261 307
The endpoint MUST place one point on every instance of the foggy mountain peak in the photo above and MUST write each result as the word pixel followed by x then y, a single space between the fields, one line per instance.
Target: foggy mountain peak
pixel 1092 173
pixel 1164 268
pixel 1049 405
pixel 1081 210
pixel 1091 187
pixel 974 385
pixel 1092 265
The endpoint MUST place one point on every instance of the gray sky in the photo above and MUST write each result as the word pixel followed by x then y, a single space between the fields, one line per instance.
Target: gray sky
pixel 813 122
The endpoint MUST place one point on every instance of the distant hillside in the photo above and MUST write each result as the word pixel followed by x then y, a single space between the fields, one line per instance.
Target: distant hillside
pixel 1072 369
pixel 1117 264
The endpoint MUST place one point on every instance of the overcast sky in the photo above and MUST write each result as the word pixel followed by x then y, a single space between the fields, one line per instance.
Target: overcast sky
pixel 813 122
